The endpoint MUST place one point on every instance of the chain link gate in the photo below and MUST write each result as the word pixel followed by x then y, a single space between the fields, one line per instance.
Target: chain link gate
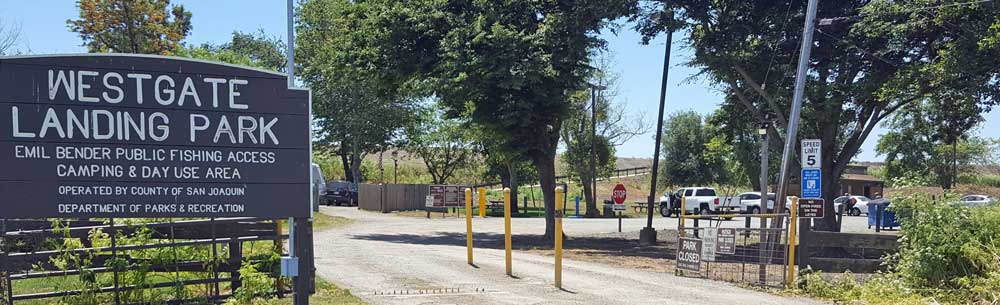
pixel 751 252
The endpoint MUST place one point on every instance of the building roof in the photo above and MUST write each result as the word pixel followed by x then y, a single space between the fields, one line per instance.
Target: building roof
pixel 859 177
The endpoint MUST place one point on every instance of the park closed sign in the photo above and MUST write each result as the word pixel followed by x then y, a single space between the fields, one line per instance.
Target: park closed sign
pixel 102 135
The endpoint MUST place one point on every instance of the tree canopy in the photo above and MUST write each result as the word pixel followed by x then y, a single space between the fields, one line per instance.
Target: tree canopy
pixel 132 26
pixel 882 56
pixel 509 66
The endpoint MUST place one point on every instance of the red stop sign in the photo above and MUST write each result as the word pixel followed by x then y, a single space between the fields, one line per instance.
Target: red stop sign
pixel 619 193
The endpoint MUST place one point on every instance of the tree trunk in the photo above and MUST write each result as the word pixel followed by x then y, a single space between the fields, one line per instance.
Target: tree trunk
pixel 512 173
pixel 588 194
pixel 545 164
pixel 953 179
pixel 346 163
pixel 356 163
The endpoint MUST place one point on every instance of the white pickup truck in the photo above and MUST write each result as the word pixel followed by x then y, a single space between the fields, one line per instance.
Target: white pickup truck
pixel 700 200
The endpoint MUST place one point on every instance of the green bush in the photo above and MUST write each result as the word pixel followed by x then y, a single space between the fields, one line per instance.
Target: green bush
pixel 948 254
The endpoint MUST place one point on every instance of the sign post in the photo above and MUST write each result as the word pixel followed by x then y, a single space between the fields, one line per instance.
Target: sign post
pixel 618 195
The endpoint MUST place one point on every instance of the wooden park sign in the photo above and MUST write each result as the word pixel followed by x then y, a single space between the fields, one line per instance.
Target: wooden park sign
pixel 103 135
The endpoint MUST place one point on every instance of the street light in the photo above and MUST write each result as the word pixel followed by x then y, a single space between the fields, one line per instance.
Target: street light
pixel 395 167
pixel 593 139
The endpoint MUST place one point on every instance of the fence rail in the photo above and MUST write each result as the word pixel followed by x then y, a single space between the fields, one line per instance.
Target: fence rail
pixel 24 258
pixel 759 254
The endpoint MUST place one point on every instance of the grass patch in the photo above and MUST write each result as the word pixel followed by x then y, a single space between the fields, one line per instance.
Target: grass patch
pixel 323 222
pixel 326 294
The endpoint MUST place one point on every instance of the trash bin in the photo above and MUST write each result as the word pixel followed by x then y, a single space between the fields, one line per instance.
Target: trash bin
pixel 885 219
pixel 609 209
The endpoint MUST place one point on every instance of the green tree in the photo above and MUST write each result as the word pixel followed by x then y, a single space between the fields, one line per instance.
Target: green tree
pixel 443 144
pixel 613 127
pixel 686 161
pixel 258 50
pixel 926 141
pixel 862 69
pixel 510 66
pixel 131 26
pixel 357 112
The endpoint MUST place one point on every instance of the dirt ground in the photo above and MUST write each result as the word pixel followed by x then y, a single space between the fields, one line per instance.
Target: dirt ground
pixel 388 259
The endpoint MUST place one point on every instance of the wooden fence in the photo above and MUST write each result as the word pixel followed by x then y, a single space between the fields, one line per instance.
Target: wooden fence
pixel 392 197
pixel 840 252
pixel 23 256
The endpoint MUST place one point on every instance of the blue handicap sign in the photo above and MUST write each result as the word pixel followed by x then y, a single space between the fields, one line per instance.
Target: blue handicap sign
pixel 812 185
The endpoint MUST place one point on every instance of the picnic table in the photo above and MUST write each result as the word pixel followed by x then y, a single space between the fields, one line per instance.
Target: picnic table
pixel 495 205
pixel 640 206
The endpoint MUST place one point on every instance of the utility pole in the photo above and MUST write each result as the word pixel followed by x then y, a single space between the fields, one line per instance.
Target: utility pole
pixel 793 118
pixel 593 142
pixel 763 163
pixel 648 235
pixel 593 145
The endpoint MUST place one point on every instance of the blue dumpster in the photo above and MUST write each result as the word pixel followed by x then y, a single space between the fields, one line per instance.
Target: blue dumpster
pixel 886 217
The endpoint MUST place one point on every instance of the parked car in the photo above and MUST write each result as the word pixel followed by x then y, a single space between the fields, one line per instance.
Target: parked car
pixel 318 186
pixel 700 200
pixel 749 202
pixel 856 205
pixel 977 200
pixel 341 192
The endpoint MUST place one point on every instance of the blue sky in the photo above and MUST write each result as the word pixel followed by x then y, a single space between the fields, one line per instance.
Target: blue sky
pixel 44 31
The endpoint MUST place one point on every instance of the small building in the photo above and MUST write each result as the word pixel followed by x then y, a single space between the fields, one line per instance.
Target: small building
pixel 855 181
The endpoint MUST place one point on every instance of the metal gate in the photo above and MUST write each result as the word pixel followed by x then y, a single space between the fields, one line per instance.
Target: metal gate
pixel 752 251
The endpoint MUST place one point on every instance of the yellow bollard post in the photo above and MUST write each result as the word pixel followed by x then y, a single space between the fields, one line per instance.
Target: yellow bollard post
pixel 680 216
pixel 792 241
pixel 559 236
pixel 506 229
pixel 468 223
pixel 482 202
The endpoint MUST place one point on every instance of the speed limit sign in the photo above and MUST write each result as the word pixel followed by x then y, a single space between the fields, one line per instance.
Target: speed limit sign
pixel 811 154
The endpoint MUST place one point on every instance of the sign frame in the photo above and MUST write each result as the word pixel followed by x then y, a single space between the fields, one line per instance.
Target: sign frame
pixel 812 183
pixel 726 243
pixel 689 254
pixel 812 153
pixel 811 208
pixel 185 95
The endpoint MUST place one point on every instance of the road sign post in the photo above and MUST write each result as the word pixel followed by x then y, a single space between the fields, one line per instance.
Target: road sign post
pixel 618 195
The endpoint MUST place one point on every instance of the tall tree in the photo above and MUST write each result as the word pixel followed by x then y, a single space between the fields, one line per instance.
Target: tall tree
pixel 445 145
pixel 356 111
pixel 861 71
pixel 595 110
pixel 131 26
pixel 511 66
pixel 932 141
pixel 686 161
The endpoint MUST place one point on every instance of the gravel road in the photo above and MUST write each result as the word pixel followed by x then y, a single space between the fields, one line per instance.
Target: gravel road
pixel 387 259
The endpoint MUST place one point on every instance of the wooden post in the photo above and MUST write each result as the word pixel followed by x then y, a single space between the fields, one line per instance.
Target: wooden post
pixel 304 251
pixel 235 261
pixel 114 259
